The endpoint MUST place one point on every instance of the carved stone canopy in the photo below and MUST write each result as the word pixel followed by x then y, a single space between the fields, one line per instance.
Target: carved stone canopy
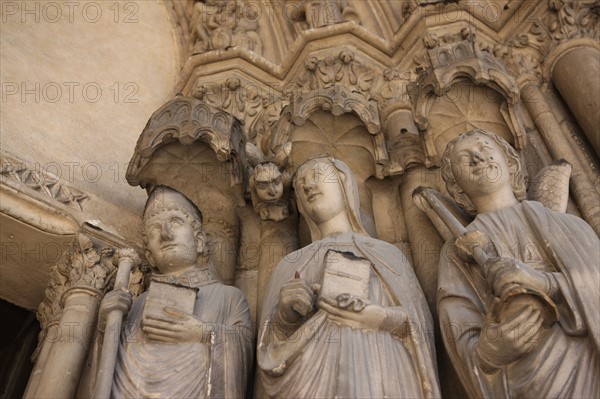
pixel 188 120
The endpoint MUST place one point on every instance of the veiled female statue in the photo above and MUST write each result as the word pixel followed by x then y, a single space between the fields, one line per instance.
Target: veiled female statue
pixel 524 351
pixel 344 316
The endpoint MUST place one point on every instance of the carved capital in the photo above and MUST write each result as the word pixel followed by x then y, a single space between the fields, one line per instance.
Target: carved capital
pixel 565 24
pixel 88 265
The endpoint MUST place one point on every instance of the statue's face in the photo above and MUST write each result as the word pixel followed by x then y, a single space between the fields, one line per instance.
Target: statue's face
pixel 268 183
pixel 479 165
pixel 319 191
pixel 172 241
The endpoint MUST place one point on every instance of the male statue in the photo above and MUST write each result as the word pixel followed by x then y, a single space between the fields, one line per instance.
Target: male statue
pixel 524 351
pixel 166 350
pixel 345 316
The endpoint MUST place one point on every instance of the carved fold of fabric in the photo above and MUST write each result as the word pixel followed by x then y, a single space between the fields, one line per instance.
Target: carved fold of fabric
pixel 339 355
pixel 565 362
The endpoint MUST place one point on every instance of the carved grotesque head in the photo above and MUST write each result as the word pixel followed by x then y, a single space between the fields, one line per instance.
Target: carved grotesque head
pixel 480 163
pixel 172 230
pixel 268 182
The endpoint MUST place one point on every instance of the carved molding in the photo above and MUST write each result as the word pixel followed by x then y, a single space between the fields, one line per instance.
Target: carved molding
pixel 189 120
pixel 40 180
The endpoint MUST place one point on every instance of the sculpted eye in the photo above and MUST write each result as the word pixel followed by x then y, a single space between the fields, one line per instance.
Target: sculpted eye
pixel 175 221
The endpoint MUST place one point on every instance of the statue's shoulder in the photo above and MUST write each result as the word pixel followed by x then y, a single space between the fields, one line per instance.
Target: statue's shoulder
pixel 377 244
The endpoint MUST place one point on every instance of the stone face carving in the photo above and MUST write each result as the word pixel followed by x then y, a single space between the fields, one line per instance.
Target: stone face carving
pixel 267 186
pixel 345 297
pixel 189 335
pixel 523 351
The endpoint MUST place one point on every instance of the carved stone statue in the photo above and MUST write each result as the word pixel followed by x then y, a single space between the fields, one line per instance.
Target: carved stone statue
pixel 189 335
pixel 524 351
pixel 344 316
pixel 267 188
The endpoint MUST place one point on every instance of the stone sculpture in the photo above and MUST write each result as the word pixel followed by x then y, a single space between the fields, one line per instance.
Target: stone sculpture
pixel 267 189
pixel 537 253
pixel 344 316
pixel 189 335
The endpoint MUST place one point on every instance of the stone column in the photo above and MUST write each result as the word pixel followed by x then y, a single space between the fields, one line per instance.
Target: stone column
pixel 60 377
pixel 48 340
pixel 575 75
pixel 581 186
pixel 425 242
pixel 277 239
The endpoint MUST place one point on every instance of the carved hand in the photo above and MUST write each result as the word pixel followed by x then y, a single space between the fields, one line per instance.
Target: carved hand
pixel 363 314
pixel 176 327
pixel 503 343
pixel 467 243
pixel 502 273
pixel 296 300
pixel 114 300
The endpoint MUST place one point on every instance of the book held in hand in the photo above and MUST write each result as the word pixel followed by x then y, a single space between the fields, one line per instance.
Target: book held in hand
pixel 345 273
pixel 161 295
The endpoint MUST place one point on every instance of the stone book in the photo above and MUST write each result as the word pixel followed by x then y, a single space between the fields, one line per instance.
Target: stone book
pixel 161 295
pixel 345 274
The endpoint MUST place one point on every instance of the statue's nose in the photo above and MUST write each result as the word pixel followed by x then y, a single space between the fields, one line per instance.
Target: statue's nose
pixel 165 232
pixel 476 158
pixel 308 187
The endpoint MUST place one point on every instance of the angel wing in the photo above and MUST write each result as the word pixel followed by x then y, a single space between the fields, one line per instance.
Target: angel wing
pixel 551 186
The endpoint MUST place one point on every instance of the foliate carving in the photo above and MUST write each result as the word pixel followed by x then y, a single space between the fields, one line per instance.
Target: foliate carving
pixel 519 62
pixel 188 120
pixel 565 20
pixel 220 25
pixel 243 100
pixel 342 69
pixel 40 180
pixel 86 265
pixel 574 19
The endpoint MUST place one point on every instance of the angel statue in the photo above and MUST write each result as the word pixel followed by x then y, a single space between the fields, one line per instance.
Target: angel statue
pixel 344 316
pixel 518 288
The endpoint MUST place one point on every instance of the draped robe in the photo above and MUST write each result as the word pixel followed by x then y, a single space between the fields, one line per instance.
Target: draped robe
pixel 565 362
pixel 326 359
pixel 215 369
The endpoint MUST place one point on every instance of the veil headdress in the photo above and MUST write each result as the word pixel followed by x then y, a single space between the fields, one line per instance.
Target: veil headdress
pixel 341 174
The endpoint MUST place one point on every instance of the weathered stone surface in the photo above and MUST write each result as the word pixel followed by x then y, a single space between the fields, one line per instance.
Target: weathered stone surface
pixel 239 93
